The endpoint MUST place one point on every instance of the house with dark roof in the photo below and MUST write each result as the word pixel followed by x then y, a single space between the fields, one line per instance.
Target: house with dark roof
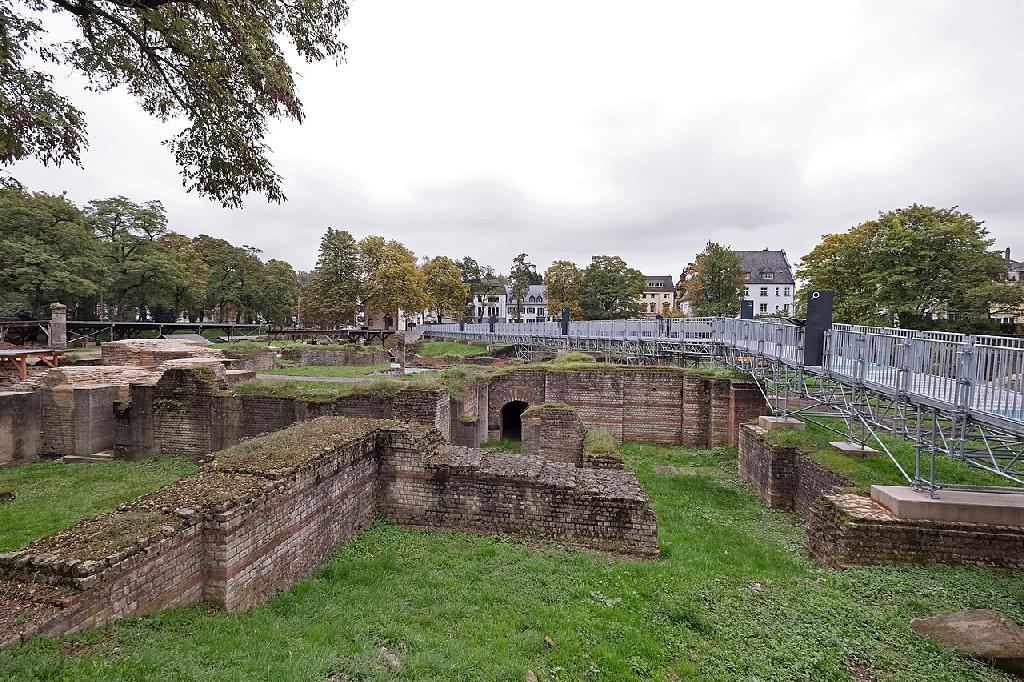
pixel 1014 273
pixel 659 296
pixel 769 281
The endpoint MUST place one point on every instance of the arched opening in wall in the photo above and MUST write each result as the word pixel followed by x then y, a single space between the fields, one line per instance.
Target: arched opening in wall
pixel 512 420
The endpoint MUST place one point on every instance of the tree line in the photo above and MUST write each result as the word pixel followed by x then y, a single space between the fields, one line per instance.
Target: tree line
pixel 117 259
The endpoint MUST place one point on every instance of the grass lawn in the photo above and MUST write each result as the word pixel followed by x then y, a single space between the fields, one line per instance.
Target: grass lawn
pixel 877 469
pixel 731 598
pixel 438 349
pixel 328 370
pixel 51 495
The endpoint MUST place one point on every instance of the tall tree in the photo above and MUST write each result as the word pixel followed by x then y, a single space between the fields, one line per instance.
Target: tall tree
pixel 187 295
pixel 445 290
pixel 910 266
pixel 332 294
pixel 279 296
pixel 521 276
pixel 136 260
pixel 470 270
pixel 714 285
pixel 391 280
pixel 610 289
pixel 49 253
pixel 564 280
pixel 216 66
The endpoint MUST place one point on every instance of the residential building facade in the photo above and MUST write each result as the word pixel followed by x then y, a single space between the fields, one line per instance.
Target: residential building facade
pixel 659 297
pixel 769 282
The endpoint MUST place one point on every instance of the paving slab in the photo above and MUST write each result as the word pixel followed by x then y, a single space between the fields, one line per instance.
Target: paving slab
pixel 773 423
pixel 852 449
pixel 997 509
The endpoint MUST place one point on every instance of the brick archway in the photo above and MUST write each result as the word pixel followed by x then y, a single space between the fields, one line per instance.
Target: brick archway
pixel 512 419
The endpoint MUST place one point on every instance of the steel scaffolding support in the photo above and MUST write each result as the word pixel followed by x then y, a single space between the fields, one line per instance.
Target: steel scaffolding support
pixel 952 395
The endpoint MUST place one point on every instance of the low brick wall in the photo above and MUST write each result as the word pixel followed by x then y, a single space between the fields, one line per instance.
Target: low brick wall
pixel 77 419
pixel 253 362
pixel 783 477
pixel 352 357
pixel 850 530
pixel 475 490
pixel 651 404
pixel 187 412
pixel 266 512
pixel 20 435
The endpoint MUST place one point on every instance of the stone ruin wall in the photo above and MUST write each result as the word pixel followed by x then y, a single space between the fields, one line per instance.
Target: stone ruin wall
pixel 282 519
pixel 72 410
pixel 846 529
pixel 648 404
pixel 186 412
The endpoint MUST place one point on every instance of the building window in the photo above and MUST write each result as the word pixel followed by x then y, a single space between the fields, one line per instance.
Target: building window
pixel 776 291
pixel 785 292
pixel 785 308
pixel 747 292
pixel 768 275
pixel 764 291
pixel 762 308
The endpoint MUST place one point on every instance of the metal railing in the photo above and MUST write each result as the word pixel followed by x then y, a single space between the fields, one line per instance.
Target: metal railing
pixel 978 375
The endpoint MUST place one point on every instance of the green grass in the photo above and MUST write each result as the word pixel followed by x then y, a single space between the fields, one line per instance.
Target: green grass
pixel 51 495
pixel 503 445
pixel 878 469
pixel 600 442
pixel 731 598
pixel 260 346
pixel 439 349
pixel 328 370
pixel 327 391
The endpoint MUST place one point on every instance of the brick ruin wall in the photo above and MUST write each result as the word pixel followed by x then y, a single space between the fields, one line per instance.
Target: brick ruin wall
pixel 553 432
pixel 267 512
pixel 20 430
pixel 647 404
pixel 187 413
pixel 846 529
pixel 318 356
pixel 783 477
pixel 850 530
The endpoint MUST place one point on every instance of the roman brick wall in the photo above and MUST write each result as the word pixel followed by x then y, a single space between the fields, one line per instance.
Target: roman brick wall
pixel 319 356
pixel 252 361
pixel 649 404
pixel 265 513
pixel 849 530
pixel 20 434
pixel 553 432
pixel 187 412
pixel 154 352
pixel 781 476
pixel 475 490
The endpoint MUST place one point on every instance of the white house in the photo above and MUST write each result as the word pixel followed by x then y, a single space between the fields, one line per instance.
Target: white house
pixel 534 306
pixel 769 282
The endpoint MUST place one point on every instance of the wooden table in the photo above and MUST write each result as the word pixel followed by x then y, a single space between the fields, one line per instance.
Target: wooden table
pixel 20 357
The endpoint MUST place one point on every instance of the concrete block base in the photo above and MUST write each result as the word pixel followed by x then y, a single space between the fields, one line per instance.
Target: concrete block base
pixel 772 423
pixel 852 449
pixel 997 509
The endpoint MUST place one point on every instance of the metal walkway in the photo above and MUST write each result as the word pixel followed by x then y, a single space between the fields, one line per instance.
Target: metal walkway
pixel 952 395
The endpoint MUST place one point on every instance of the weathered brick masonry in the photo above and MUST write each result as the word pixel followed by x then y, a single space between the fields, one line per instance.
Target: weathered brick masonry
pixel 658 405
pixel 850 530
pixel 347 356
pixel 846 529
pixel 782 476
pixel 266 512
pixel 554 432
pixel 187 412
pixel 19 427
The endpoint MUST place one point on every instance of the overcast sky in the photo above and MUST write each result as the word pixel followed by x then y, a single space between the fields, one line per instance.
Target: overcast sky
pixel 567 129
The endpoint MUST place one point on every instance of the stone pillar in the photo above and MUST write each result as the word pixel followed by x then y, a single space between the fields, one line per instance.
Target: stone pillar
pixel 58 326
pixel 554 432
